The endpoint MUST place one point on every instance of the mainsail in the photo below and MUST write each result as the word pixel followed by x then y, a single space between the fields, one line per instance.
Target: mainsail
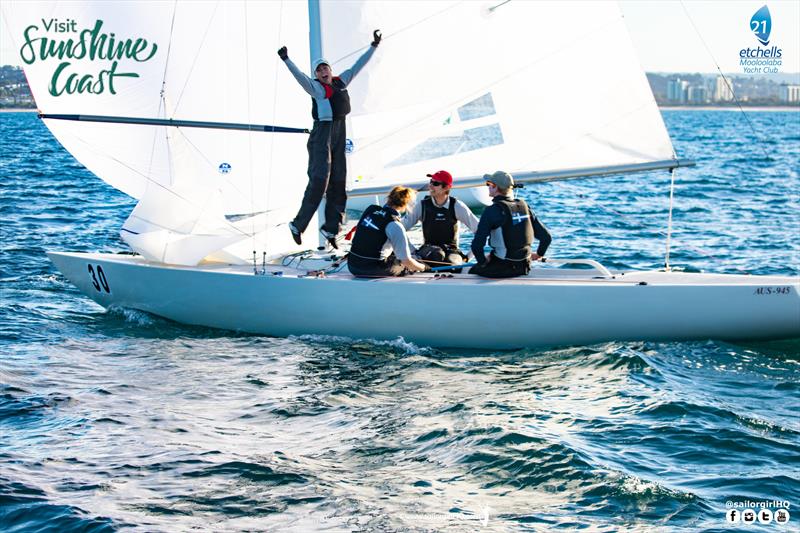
pixel 470 86
pixel 477 86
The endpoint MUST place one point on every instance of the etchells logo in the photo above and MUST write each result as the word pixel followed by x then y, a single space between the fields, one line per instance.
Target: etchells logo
pixel 62 41
pixel 761 25
pixel 758 60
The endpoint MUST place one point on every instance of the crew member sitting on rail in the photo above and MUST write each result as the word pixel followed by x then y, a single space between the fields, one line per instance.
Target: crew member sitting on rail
pixel 510 226
pixel 440 214
pixel 378 232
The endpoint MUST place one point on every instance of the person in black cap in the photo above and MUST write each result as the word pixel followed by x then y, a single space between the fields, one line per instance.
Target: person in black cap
pixel 440 214
pixel 510 226
pixel 378 231
pixel 327 167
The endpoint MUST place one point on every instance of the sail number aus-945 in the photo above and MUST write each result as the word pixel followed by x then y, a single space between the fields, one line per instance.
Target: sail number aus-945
pixel 99 281
pixel 764 291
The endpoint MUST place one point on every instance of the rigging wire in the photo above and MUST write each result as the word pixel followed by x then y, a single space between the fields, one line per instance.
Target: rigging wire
pixel 401 30
pixel 162 105
pixel 727 83
pixel 197 55
pixel 579 192
pixel 669 218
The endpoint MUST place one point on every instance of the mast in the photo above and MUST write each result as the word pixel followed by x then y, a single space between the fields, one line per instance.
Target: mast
pixel 314 32
pixel 315 52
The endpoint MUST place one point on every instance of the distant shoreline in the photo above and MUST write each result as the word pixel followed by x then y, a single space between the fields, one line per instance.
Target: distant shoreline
pixel 727 108
pixel 18 110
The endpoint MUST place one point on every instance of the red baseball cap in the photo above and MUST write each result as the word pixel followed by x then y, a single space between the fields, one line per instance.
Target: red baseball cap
pixel 442 176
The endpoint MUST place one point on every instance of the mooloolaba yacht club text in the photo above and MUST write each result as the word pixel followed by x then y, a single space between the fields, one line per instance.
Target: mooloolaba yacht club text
pixel 760 60
pixel 88 44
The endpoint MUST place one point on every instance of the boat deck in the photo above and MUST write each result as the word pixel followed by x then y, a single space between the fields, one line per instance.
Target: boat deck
pixel 541 273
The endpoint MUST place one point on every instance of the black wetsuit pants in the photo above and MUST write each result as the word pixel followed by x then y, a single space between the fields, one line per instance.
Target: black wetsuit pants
pixel 501 268
pixel 436 256
pixel 373 268
pixel 327 176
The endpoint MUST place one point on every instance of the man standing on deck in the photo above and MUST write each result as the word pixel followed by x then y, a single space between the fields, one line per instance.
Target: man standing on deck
pixel 510 226
pixel 327 167
pixel 440 214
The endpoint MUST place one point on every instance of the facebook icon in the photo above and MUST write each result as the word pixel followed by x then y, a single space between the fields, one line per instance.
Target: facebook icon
pixel 732 516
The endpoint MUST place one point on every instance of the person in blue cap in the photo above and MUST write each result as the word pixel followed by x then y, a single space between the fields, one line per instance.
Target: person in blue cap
pixel 327 168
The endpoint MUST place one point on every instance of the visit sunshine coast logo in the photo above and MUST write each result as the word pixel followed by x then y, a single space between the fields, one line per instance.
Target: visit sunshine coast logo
pixel 63 42
pixel 763 59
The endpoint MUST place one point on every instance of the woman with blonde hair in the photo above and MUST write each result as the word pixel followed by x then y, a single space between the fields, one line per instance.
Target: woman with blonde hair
pixel 380 244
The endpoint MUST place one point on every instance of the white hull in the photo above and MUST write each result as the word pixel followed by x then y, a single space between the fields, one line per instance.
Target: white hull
pixel 553 307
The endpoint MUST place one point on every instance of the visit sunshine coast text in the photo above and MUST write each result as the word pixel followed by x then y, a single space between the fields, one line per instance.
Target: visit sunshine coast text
pixel 90 43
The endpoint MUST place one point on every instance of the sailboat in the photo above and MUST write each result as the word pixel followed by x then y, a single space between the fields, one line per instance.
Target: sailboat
pixel 186 107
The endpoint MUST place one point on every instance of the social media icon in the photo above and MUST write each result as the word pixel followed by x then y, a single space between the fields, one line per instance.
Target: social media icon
pixel 781 516
pixel 732 516
pixel 748 516
pixel 765 516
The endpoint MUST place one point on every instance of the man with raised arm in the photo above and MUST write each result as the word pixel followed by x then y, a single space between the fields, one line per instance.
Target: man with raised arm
pixel 327 168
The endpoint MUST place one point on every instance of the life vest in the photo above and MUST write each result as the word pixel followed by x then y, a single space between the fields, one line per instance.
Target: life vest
pixel 517 229
pixel 336 94
pixel 439 224
pixel 370 236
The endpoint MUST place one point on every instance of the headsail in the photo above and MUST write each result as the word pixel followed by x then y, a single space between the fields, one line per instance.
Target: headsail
pixel 195 61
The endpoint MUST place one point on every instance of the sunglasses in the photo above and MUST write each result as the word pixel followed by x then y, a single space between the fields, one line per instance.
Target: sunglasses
pixel 438 183
pixel 490 184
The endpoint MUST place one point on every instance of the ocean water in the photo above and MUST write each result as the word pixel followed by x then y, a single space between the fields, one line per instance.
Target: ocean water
pixel 117 420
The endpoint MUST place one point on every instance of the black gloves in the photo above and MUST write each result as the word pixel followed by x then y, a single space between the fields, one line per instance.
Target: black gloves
pixel 283 53
pixel 376 38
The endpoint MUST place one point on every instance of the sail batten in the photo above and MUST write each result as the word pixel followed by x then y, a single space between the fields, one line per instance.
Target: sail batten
pixel 174 123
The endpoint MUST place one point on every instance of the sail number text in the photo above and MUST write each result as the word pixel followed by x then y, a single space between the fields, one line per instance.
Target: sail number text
pixel 764 291
pixel 99 281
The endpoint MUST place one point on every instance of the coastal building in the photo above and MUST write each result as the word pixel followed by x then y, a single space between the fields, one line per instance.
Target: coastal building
pixel 722 91
pixel 789 93
pixel 697 94
pixel 677 91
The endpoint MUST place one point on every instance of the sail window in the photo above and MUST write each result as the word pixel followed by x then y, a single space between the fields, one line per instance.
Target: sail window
pixel 469 140
pixel 482 106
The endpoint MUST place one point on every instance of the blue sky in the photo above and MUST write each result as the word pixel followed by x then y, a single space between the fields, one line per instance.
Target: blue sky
pixel 665 36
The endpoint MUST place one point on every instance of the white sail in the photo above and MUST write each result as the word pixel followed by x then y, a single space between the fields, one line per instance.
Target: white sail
pixel 198 61
pixel 477 86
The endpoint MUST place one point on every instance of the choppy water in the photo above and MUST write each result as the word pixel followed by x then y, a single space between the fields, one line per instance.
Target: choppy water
pixel 119 420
